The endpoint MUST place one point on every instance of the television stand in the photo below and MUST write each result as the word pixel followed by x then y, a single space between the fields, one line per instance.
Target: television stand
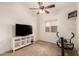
pixel 19 42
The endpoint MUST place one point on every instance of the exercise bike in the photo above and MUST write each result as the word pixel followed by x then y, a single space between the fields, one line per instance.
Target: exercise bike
pixel 67 44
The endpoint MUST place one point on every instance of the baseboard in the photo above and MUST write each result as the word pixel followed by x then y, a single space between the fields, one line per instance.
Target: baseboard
pixel 9 51
pixel 48 41
pixel 5 52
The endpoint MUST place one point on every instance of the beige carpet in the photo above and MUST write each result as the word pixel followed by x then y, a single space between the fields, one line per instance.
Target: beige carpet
pixel 39 48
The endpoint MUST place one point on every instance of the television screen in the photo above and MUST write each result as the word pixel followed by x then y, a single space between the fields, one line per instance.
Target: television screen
pixel 23 30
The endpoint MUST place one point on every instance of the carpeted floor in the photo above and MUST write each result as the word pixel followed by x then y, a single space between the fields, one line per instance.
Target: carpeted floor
pixel 39 48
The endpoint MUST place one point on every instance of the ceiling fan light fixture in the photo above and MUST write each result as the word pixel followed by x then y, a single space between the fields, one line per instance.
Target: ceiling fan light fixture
pixel 41 11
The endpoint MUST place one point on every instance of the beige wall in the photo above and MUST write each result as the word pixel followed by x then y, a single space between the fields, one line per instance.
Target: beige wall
pixel 10 14
pixel 65 26
pixel 77 32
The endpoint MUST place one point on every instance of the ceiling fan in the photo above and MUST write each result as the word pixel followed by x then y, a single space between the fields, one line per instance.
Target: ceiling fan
pixel 42 8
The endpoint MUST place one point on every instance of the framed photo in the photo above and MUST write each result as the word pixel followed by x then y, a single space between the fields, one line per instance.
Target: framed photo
pixel 72 14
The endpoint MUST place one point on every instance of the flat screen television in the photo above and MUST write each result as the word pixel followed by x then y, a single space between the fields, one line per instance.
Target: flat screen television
pixel 23 30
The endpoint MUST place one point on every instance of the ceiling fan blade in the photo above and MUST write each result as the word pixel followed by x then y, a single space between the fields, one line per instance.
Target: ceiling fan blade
pixel 47 11
pixel 50 6
pixel 33 8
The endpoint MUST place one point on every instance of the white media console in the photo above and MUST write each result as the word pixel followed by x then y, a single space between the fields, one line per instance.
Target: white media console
pixel 19 42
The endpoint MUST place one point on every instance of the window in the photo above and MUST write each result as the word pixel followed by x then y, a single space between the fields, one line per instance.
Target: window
pixel 51 26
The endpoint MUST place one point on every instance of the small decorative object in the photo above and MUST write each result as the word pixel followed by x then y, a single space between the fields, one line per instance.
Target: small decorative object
pixel 72 14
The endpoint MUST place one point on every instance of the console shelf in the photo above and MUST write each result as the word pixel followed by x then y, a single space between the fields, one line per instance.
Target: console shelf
pixel 19 42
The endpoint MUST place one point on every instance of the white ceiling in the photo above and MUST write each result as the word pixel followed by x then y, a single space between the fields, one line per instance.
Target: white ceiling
pixel 35 4
pixel 58 5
